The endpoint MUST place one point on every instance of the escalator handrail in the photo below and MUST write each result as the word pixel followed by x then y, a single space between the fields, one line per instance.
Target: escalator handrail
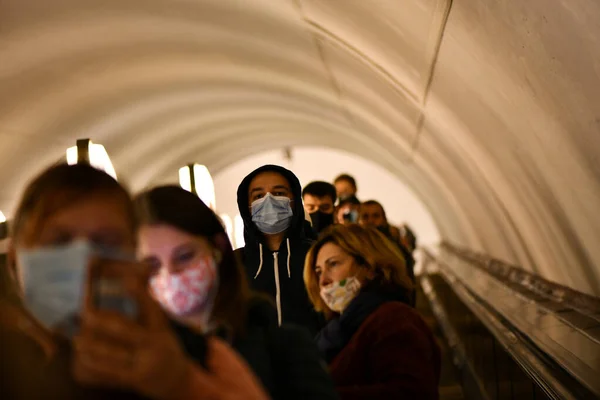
pixel 536 285
pixel 503 307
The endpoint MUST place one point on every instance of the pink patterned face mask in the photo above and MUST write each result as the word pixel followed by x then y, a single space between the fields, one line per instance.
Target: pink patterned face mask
pixel 188 293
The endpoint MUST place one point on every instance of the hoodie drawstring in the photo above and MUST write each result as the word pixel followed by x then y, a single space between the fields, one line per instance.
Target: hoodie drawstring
pixel 277 287
pixel 261 262
pixel 276 272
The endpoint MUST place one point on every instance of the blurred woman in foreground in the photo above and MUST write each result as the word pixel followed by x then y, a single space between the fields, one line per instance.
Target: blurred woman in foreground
pixel 69 218
pixel 376 345
pixel 198 280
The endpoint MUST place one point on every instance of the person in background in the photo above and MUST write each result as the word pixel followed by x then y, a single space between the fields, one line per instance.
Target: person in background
pixel 198 281
pixel 65 213
pixel 319 202
pixel 373 214
pixel 270 203
pixel 408 237
pixel 347 212
pixel 345 186
pixel 376 345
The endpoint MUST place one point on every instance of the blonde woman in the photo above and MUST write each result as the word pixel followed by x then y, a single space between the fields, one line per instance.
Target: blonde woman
pixel 376 345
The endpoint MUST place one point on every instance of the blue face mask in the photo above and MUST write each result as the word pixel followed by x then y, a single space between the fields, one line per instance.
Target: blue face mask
pixel 54 280
pixel 272 214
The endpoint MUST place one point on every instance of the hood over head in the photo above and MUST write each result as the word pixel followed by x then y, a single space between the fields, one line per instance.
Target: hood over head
pixel 251 232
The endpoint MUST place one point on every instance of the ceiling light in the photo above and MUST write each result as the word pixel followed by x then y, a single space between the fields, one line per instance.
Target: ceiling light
pixel 87 152
pixel 196 178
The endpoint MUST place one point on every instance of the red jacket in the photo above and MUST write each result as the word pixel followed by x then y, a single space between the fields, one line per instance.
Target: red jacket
pixel 393 355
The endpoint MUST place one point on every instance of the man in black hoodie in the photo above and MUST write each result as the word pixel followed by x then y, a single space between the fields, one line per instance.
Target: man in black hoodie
pixel 270 203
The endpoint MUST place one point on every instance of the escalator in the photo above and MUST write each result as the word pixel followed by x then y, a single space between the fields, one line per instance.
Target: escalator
pixel 506 333
pixel 450 386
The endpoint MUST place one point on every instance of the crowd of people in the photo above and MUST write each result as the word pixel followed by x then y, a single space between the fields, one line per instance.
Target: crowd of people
pixel 105 295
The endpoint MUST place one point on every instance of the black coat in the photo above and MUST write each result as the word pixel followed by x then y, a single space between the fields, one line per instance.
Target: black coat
pixel 259 261
pixel 285 359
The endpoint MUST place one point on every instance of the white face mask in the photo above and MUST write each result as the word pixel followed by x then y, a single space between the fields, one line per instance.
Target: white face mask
pixel 338 295
pixel 54 278
pixel 189 293
pixel 272 214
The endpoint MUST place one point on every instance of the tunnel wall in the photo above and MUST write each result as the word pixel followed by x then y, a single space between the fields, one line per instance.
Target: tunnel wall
pixel 488 109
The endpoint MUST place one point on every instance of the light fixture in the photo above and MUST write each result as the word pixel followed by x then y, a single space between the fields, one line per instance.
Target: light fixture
pixel 3 227
pixel 239 231
pixel 228 223
pixel 196 178
pixel 87 152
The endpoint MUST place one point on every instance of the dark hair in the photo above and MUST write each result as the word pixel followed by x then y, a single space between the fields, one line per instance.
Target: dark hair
pixel 62 185
pixel 174 206
pixel 320 189
pixel 348 178
pixel 410 236
pixel 352 200
pixel 375 203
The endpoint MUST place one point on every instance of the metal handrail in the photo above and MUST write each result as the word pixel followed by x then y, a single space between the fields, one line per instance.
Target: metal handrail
pixel 527 281
pixel 533 329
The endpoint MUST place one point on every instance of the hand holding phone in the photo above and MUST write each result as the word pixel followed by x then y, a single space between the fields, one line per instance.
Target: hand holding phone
pixel 114 285
pixel 126 339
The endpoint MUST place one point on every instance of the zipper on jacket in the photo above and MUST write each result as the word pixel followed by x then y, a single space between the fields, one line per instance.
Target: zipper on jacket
pixel 277 287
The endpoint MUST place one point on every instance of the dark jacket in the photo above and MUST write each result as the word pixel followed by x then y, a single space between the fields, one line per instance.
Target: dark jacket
pixel 381 349
pixel 285 359
pixel 26 374
pixel 258 260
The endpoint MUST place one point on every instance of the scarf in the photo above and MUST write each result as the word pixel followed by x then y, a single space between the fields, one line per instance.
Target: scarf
pixel 338 332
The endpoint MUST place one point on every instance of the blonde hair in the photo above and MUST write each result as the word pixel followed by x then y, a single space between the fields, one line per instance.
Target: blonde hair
pixel 370 249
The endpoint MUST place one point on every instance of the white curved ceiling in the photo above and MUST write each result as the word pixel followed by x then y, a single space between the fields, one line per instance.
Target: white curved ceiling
pixel 489 110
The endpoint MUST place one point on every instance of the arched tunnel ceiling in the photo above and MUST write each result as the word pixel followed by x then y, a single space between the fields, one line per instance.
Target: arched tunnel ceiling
pixel 489 110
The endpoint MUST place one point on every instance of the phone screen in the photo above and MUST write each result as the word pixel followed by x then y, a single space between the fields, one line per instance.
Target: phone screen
pixel 108 287
pixel 110 295
pixel 351 216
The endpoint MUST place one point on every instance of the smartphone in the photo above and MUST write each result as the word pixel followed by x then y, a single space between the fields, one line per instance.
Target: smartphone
pixel 108 286
pixel 110 295
pixel 351 216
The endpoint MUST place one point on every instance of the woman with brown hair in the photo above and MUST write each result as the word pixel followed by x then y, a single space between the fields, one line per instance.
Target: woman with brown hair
pixel 199 282
pixel 377 346
pixel 70 218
